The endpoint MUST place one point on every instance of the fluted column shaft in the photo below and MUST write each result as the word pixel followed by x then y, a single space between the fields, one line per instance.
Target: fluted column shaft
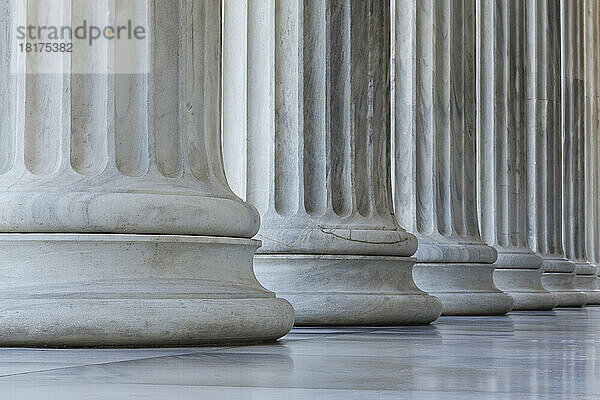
pixel 595 137
pixel 503 159
pixel 119 225
pixel 573 124
pixel 572 128
pixel 549 242
pixel 435 176
pixel 318 160
pixel 574 139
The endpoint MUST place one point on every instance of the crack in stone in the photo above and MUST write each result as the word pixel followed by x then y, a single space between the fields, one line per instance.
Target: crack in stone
pixel 323 230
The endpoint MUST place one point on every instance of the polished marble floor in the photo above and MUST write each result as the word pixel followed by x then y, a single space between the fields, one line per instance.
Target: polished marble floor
pixel 526 355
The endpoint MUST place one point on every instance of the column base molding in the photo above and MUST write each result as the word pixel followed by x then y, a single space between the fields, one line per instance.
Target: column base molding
pixel 561 285
pixel 552 263
pixel 585 268
pixel 587 285
pixel 134 290
pixel 126 213
pixel 348 289
pixel 525 287
pixel 463 288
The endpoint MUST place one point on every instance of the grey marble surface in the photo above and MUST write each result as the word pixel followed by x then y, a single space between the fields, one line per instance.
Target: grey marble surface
pixel 525 355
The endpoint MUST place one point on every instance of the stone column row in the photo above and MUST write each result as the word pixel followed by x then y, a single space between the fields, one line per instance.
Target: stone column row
pixel 492 158
pixel 119 227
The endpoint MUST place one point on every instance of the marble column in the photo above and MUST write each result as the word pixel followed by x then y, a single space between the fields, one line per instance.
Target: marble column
pixel 594 195
pixel 118 225
pixel 559 272
pixel 588 45
pixel 503 152
pixel 435 154
pixel 573 124
pixel 315 160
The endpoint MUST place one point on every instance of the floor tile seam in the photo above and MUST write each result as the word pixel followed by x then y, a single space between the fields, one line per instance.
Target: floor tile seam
pixel 96 364
pixel 279 343
pixel 336 389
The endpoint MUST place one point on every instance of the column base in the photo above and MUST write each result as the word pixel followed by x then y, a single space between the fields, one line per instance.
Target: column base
pixel 525 287
pixel 134 290
pixel 587 285
pixel 561 285
pixel 463 288
pixel 555 263
pixel 347 289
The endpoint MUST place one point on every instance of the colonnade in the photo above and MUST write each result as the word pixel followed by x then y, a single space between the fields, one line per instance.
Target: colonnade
pixel 334 162
pixel 491 156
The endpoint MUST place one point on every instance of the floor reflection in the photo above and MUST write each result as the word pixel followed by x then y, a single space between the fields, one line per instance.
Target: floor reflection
pixel 523 355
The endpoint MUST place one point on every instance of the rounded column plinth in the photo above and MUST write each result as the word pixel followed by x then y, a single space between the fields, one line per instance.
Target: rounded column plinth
pixel 134 290
pixel 518 273
pixel 525 287
pixel 558 278
pixel 561 285
pixel 127 213
pixel 585 268
pixel 463 288
pixel 585 281
pixel 587 285
pixel 557 264
pixel 348 289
